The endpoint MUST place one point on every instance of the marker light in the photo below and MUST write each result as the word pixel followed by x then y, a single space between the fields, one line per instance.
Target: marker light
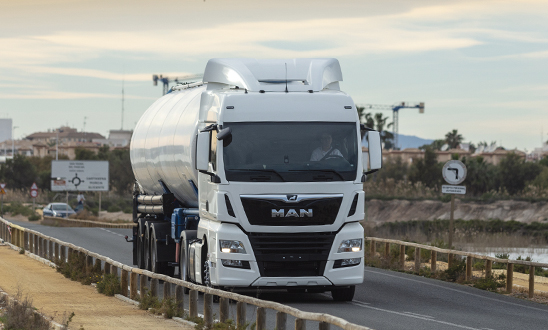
pixel 231 246
pixel 351 245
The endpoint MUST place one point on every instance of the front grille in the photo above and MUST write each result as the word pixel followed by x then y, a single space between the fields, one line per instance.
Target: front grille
pixel 291 255
pixel 259 211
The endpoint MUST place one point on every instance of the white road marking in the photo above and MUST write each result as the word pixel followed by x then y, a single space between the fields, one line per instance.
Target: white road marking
pixel 112 232
pixel 421 315
pixel 456 290
pixel 416 316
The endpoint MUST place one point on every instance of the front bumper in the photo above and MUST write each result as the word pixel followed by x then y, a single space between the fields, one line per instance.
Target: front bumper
pixel 324 273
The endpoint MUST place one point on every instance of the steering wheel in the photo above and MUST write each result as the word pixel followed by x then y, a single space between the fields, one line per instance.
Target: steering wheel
pixel 332 157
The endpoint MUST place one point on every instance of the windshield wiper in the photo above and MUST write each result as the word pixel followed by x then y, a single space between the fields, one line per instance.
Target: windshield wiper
pixel 259 170
pixel 326 170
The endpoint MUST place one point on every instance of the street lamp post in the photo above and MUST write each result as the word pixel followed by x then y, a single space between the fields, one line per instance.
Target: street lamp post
pixel 57 146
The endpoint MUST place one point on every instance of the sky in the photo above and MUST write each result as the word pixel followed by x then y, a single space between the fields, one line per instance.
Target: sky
pixel 479 66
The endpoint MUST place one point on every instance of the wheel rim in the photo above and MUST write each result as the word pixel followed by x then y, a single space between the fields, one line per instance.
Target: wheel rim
pixel 146 249
pixel 153 248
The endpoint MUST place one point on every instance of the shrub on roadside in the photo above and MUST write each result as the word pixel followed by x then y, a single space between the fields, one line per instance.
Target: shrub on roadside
pixel 35 217
pixel 109 285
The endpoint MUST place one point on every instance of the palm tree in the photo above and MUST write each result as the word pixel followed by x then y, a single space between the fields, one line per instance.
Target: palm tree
pixel 453 139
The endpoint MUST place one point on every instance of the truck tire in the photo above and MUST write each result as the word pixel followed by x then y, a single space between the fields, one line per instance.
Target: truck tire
pixel 146 250
pixel 155 265
pixel 183 263
pixel 343 294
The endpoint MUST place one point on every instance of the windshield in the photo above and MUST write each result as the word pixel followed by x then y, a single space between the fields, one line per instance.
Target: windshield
pixel 304 152
pixel 61 207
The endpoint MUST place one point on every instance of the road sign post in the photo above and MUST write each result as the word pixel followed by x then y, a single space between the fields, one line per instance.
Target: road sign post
pixel 34 194
pixel 454 173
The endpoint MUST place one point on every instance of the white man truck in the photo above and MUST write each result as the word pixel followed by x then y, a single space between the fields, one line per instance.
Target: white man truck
pixel 253 179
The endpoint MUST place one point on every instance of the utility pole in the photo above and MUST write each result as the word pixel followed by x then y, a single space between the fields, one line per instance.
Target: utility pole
pixel 123 80
pixel 13 142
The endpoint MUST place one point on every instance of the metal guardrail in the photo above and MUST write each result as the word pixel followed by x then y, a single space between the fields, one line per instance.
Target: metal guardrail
pixel 469 257
pixel 52 248
pixel 56 221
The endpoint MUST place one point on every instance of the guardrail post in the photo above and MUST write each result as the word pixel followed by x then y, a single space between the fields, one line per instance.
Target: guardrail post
pixel 402 256
pixel 69 254
pixel 142 286
pixel 193 303
pixel 167 290
pixel 63 253
pixel 387 250
pixel 97 264
pixel 281 321
pixel 240 313
pixel 124 284
pixel 36 245
pixel 509 277
pixel 324 326
pixel 133 285
pixel 261 318
pixel 154 287
pixel 26 241
pixel 373 248
pixel 417 260
pixel 300 324
pixel 50 250
pixel 57 250
pixel 44 248
pixel 114 270
pixel 433 261
pixel 449 260
pixel 208 310
pixel 469 268
pixel 223 309
pixel 89 263
pixel 180 300
pixel 488 268
pixel 40 247
pixel 531 281
pixel 107 268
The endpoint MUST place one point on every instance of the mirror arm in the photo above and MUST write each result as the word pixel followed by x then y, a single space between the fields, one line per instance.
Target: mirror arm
pixel 365 128
pixel 214 177
pixel 210 128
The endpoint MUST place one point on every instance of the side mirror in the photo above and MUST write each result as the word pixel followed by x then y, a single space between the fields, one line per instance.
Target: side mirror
pixel 224 133
pixel 202 151
pixel 375 152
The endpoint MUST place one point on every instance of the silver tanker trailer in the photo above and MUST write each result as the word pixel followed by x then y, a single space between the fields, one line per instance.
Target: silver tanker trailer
pixel 253 179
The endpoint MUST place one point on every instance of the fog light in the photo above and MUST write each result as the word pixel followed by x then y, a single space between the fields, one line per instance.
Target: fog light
pixel 236 263
pixel 346 262
pixel 351 245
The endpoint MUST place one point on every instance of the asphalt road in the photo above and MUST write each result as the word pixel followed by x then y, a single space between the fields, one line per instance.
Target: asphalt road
pixel 386 300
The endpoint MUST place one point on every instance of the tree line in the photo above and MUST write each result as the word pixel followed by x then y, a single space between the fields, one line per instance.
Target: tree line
pixel 21 171
pixel 513 174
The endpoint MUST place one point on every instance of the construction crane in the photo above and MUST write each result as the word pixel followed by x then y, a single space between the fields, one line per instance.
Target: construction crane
pixel 395 113
pixel 178 80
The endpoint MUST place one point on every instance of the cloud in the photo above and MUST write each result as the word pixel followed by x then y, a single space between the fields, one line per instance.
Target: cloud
pixel 90 73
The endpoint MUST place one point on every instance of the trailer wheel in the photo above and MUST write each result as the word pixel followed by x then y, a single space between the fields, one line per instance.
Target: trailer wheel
pixel 183 263
pixel 146 250
pixel 156 266
pixel 343 294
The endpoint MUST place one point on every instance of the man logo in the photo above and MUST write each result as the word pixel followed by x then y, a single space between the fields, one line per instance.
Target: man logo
pixel 291 213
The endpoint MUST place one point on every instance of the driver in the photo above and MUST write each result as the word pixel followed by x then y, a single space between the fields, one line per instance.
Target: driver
pixel 325 150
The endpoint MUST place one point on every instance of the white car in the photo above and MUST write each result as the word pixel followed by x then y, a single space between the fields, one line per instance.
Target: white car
pixel 62 210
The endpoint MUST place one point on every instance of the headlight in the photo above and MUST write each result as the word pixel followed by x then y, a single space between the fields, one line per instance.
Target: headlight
pixel 231 246
pixel 351 245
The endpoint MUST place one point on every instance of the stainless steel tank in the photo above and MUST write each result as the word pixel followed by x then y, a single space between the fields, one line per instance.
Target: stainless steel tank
pixel 163 145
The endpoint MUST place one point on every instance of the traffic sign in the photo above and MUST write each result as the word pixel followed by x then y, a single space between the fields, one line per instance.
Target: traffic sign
pixel 34 193
pixel 2 186
pixel 34 186
pixel 454 172
pixel 451 189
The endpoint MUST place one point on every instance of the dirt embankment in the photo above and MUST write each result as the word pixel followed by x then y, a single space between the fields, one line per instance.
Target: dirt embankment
pixel 379 211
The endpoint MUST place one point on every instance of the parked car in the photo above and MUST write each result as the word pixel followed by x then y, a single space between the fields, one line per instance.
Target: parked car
pixel 62 210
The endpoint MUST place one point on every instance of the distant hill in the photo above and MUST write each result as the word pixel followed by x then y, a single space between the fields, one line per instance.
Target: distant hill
pixel 410 141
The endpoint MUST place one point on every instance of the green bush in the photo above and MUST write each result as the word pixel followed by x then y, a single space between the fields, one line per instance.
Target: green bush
pixel 35 217
pixel 114 208
pixel 16 208
pixel 457 271
pixel 109 285
pixel 148 301
pixel 491 283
